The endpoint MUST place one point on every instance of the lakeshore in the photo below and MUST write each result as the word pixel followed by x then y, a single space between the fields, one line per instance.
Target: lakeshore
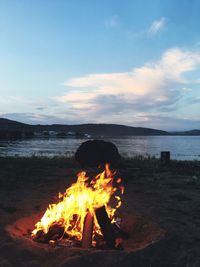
pixel 181 147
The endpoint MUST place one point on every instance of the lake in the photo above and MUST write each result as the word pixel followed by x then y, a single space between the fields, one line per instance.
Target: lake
pixel 181 147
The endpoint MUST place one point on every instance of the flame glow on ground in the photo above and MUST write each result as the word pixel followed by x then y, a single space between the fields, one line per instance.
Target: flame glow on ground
pixel 83 196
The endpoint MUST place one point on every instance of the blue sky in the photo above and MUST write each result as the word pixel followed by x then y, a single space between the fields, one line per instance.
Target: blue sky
pixel 126 62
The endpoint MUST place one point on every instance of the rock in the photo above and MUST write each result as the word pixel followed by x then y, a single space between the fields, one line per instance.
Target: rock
pixel 93 153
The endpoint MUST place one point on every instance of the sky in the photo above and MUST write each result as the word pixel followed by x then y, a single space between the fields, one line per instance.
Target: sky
pixel 130 62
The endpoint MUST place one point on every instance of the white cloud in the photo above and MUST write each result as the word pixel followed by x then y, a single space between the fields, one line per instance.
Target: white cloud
pixel 38 118
pixel 166 122
pixel 17 101
pixel 154 86
pixel 26 105
pixel 156 26
pixel 148 96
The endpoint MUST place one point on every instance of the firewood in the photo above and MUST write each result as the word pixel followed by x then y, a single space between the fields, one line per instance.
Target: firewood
pixel 88 230
pixel 55 232
pixel 106 227
pixel 39 237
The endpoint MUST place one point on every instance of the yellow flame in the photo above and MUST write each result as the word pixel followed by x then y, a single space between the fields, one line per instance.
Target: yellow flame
pixel 75 202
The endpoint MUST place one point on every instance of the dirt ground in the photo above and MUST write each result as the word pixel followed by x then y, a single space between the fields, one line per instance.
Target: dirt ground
pixel 168 196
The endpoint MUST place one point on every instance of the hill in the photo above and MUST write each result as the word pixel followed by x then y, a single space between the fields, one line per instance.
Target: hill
pixel 92 129
pixel 10 125
pixel 194 132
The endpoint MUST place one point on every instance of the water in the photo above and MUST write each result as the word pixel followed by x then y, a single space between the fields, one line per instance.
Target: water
pixel 181 147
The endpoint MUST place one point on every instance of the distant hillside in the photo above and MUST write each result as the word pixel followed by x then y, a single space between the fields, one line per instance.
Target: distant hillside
pixel 10 125
pixel 108 129
pixel 92 129
pixel 191 132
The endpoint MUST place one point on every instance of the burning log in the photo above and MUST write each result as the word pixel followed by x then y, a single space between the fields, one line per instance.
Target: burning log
pixel 106 227
pixel 112 233
pixel 55 232
pixel 88 230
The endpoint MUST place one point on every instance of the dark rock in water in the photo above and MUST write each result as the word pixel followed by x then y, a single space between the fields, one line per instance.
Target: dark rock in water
pixel 93 153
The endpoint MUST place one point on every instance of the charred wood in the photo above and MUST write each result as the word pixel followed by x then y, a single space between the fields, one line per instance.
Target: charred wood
pixel 106 227
pixel 55 232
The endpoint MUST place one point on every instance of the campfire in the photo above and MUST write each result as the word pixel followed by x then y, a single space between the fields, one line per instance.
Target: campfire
pixel 85 214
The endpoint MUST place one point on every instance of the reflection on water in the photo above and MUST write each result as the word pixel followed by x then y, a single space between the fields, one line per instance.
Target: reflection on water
pixel 181 147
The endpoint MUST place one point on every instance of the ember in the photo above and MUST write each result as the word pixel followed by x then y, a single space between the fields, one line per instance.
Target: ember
pixel 86 202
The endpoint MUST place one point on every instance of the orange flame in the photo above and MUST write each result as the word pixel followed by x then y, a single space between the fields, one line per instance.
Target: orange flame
pixel 77 200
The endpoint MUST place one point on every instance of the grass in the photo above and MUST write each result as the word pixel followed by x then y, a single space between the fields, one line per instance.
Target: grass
pixel 14 165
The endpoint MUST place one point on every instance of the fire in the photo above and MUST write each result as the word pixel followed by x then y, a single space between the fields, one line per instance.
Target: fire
pixel 83 196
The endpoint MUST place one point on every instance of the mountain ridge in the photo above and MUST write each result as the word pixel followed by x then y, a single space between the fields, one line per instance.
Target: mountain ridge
pixel 104 129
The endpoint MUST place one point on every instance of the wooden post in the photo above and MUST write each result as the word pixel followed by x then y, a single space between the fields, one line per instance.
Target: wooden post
pixel 106 227
pixel 165 157
pixel 88 230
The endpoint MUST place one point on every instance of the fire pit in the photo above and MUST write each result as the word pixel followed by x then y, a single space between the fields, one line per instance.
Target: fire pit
pixel 88 218
pixel 142 233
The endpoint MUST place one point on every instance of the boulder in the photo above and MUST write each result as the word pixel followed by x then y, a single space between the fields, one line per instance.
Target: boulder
pixel 93 153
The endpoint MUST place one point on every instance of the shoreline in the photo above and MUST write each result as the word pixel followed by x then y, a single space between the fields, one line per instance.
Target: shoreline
pixel 70 156
pixel 181 148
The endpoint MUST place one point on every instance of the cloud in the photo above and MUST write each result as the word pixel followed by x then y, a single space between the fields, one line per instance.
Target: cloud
pixel 40 108
pixel 18 102
pixel 36 118
pixel 155 87
pixel 35 110
pixel 152 95
pixel 194 100
pixel 156 26
pixel 167 123
pixel 112 22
